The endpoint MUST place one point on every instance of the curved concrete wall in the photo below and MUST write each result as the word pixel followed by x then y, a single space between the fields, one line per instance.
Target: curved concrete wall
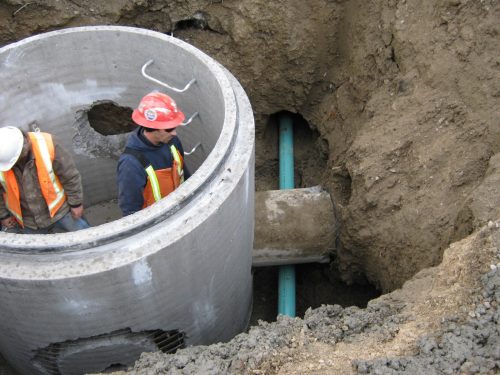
pixel 80 302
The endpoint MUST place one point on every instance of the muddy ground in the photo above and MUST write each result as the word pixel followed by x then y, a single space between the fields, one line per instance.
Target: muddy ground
pixel 397 106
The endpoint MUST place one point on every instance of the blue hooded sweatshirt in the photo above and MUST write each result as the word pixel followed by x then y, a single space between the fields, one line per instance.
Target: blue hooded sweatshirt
pixel 132 177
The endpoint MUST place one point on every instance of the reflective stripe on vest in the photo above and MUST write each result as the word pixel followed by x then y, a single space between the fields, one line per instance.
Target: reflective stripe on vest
pixel 52 190
pixel 11 195
pixel 177 165
pixel 155 185
pixel 178 160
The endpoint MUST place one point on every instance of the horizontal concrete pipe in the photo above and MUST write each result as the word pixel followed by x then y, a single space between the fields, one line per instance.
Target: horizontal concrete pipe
pixel 178 272
pixel 293 226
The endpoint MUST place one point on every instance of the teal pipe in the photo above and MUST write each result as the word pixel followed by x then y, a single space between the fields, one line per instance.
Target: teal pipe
pixel 286 280
pixel 286 153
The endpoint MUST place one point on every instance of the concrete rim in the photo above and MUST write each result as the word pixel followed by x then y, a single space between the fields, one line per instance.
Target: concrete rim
pixel 128 226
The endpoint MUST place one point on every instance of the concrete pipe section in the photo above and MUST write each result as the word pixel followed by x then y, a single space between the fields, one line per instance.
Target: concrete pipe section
pixel 294 226
pixel 177 273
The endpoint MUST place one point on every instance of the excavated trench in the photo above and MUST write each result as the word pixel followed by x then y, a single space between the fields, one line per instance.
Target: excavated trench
pixel 402 100
pixel 55 267
pixel 317 284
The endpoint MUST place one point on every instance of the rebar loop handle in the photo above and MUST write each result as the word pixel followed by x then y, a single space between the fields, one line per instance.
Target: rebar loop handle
pixel 189 119
pixel 147 76
pixel 193 149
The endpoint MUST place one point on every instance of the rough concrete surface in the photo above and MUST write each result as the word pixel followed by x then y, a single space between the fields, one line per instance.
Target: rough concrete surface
pixel 400 107
pixel 292 225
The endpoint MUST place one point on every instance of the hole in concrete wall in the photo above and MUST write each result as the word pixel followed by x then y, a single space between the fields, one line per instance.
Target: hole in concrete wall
pixel 100 130
pixel 108 118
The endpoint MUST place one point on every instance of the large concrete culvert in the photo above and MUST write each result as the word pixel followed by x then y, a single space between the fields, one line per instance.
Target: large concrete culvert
pixel 177 273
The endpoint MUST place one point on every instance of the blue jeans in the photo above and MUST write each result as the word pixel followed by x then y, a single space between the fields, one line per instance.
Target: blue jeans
pixel 65 224
pixel 68 224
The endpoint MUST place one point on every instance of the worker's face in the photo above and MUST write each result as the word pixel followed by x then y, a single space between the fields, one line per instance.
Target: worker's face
pixel 164 135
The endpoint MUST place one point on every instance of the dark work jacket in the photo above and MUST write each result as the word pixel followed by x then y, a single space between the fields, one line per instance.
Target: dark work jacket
pixel 132 177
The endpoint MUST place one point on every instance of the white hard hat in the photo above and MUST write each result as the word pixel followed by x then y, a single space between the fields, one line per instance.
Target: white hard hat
pixel 11 145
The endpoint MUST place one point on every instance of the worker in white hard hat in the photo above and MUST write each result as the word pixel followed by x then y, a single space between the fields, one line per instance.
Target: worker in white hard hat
pixel 40 185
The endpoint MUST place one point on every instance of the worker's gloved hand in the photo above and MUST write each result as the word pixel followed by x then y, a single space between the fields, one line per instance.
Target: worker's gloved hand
pixel 77 212
pixel 9 222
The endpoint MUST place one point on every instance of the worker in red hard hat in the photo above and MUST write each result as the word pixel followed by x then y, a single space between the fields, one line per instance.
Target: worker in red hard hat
pixel 40 185
pixel 152 164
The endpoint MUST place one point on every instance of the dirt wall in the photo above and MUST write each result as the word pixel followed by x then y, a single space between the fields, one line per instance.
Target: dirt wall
pixel 427 133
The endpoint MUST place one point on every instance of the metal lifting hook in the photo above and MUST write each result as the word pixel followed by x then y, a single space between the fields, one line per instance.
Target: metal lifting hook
pixel 188 121
pixel 193 149
pixel 143 70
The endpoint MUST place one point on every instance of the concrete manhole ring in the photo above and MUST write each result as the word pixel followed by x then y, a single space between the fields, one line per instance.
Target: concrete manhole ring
pixel 182 264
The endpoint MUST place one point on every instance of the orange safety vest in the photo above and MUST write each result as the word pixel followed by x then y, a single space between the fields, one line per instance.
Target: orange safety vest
pixel 163 181
pixel 52 190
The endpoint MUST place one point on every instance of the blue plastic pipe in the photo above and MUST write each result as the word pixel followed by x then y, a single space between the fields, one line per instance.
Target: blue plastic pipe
pixel 286 281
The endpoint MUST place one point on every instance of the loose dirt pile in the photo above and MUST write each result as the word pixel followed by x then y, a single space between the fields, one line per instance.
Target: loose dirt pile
pixel 402 99
pixel 445 320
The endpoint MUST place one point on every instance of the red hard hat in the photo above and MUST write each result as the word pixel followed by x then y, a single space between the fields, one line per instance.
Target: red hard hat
pixel 157 111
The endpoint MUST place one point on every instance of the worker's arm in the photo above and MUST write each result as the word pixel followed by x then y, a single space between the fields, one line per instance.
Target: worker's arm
pixel 132 179
pixel 65 169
